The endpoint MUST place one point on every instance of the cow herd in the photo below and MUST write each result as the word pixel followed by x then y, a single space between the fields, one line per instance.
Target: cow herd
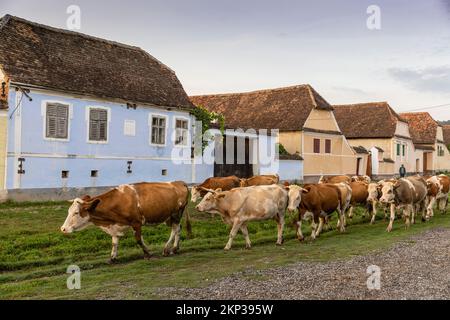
pixel 240 201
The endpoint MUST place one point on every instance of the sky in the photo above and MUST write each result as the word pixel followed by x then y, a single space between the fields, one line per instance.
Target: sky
pixel 237 46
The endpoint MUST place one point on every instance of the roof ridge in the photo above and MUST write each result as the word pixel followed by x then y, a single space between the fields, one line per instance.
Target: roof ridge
pixel 313 99
pixel 249 92
pixel 376 103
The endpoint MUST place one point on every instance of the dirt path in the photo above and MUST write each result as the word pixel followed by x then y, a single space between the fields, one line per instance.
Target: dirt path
pixel 418 268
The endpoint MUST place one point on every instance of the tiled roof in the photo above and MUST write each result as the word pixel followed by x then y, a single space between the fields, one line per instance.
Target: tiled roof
pixel 39 55
pixel 367 120
pixel 422 126
pixel 285 109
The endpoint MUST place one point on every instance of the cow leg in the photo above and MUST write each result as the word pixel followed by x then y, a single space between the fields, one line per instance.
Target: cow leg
pixel 298 226
pixel 115 246
pixel 244 231
pixel 314 222
pixel 319 230
pixel 233 233
pixel 176 243
pixel 141 242
pixel 392 218
pixel 166 250
pixel 350 212
pixel 280 226
pixel 442 204
pixel 430 212
pixel 374 212
pixel 409 209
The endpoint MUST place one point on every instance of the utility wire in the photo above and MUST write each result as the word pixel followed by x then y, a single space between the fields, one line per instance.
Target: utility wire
pixel 428 108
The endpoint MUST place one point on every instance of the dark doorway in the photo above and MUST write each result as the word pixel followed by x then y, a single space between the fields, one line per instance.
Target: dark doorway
pixel 239 165
pixel 369 165
pixel 358 165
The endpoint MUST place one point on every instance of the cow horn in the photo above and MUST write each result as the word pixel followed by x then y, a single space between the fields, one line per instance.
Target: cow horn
pixel 207 190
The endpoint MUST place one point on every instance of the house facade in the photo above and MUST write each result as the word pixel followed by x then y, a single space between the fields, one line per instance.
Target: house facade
pixel 304 121
pixel 80 112
pixel 428 138
pixel 377 128
pixel 446 135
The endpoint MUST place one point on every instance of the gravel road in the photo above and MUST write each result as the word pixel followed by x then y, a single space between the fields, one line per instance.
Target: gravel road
pixel 418 268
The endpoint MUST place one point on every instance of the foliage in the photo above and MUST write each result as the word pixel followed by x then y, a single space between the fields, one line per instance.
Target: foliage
pixel 281 150
pixel 208 118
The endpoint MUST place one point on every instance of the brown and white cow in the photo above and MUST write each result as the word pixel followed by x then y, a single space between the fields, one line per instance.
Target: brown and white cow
pixel 264 180
pixel 239 206
pixel 438 192
pixel 132 205
pixel 335 179
pixel 409 194
pixel 317 201
pixel 365 179
pixel 224 183
pixel 360 195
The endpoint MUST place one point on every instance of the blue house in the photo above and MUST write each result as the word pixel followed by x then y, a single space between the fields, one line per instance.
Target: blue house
pixel 81 112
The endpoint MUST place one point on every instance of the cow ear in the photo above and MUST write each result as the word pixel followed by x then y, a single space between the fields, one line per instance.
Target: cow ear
pixel 91 206
pixel 396 184
pixel 220 195
pixel 305 190
pixel 86 198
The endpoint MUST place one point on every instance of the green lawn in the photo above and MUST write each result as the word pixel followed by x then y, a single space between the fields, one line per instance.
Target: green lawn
pixel 34 255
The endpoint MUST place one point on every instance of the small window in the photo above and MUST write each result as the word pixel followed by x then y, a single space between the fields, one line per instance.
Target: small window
pixel 398 149
pixel 94 173
pixel 57 118
pixel 158 130
pixel 327 146
pixel 403 150
pixel 129 128
pixel 64 174
pixel 181 132
pixel 316 145
pixel 164 172
pixel 98 124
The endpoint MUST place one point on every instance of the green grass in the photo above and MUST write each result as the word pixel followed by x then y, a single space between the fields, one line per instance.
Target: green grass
pixel 34 255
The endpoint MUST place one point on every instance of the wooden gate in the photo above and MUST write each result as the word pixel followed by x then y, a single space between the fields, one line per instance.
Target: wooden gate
pixel 224 169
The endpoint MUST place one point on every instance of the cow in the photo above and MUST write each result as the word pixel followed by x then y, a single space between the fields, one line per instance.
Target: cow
pixel 239 206
pixel 264 180
pixel 132 206
pixel 373 199
pixel 317 201
pixel 365 179
pixel 438 192
pixel 406 193
pixel 223 183
pixel 335 179
pixel 360 196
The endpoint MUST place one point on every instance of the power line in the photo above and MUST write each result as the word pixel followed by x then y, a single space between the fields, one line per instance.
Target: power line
pixel 428 108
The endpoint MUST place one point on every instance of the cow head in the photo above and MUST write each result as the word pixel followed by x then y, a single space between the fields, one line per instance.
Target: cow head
pixel 295 196
pixel 388 191
pixel 374 190
pixel 78 216
pixel 209 201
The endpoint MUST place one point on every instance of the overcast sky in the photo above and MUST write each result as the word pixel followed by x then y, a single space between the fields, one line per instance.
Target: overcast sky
pixel 233 46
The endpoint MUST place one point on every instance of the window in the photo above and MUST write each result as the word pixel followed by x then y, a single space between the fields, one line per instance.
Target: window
pixel 403 150
pixel 398 149
pixel 327 146
pixel 94 173
pixel 158 130
pixel 57 119
pixel 98 125
pixel 316 145
pixel 164 172
pixel 441 151
pixel 181 132
pixel 129 128
pixel 64 174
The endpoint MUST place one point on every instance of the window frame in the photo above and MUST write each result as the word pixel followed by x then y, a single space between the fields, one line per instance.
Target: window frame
pixel 133 123
pixel 150 124
pixel 88 122
pixel 44 105
pixel 188 141
pixel 319 145
pixel 328 143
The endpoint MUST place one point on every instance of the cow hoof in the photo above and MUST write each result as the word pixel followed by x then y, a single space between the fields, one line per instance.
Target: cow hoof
pixel 148 256
pixel 248 247
pixel 174 251
pixel 301 239
pixel 112 261
pixel 226 249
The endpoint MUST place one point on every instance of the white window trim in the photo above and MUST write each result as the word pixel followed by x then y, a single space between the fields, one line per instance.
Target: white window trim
pixel 134 126
pixel 44 119
pixel 174 135
pixel 150 126
pixel 87 115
